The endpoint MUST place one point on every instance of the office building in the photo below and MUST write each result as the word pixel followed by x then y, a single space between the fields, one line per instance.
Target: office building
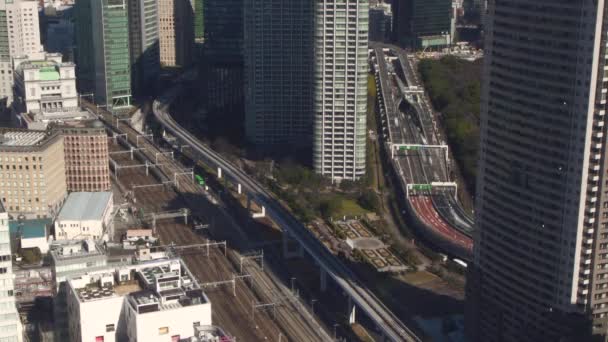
pixel 44 84
pixel 340 88
pixel 57 28
pixel 19 35
pixel 102 51
pixel 32 172
pixel 158 300
pixel 9 318
pixel 199 21
pixel 421 24
pixel 85 215
pixel 279 61
pixel 87 159
pixel 223 30
pixel 176 32
pixel 144 45
pixel 380 22
pixel 222 67
pixel 71 259
pixel 541 245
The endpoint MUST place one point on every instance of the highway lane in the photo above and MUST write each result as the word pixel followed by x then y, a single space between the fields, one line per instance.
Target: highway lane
pixel 387 322
pixel 417 126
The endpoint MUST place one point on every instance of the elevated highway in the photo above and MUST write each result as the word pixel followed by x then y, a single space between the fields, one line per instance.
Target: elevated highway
pixel 392 328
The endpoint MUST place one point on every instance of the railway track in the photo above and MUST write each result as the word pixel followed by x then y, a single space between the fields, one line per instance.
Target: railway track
pixel 232 313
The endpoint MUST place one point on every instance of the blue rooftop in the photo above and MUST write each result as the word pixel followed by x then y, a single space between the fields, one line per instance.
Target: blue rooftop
pixel 29 228
pixel 82 206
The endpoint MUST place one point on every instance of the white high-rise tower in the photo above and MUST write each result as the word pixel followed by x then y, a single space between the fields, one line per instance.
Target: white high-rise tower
pixel 340 88
pixel 10 324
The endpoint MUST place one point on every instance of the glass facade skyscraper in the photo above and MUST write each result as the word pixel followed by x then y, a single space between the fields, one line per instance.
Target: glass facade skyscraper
pixel 103 56
pixel 541 248
pixel 279 70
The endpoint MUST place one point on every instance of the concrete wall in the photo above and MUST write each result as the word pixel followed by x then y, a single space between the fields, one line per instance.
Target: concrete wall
pixel 147 327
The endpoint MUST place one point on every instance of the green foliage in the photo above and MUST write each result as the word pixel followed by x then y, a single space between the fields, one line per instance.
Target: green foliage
pixel 369 200
pixel 330 207
pixel 454 87
pixel 298 175
pixel 31 255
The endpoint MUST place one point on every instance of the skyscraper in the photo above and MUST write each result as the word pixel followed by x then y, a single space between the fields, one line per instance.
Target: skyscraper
pixel 278 73
pixel 9 319
pixel 223 56
pixel 144 45
pixel 19 35
pixel 541 247
pixel 103 56
pixel 340 88
pixel 423 23
pixel 176 32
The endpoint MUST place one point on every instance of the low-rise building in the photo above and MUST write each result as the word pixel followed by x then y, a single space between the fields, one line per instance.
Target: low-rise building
pixel 85 215
pixel 70 258
pixel 43 83
pixel 31 234
pixel 86 151
pixel 152 301
pixel 32 172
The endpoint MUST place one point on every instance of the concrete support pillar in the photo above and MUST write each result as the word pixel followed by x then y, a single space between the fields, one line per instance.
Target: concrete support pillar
pixel 239 189
pixel 147 169
pixel 131 153
pixel 323 280
pixel 186 219
pixel 352 311
pixel 219 172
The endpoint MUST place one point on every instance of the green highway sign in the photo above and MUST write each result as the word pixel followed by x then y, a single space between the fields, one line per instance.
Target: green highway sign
pixel 422 187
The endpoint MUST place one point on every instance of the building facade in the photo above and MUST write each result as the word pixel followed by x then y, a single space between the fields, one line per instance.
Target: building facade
pixel 541 246
pixel 279 61
pixel 10 323
pixel 85 216
pixel 32 172
pixel 87 159
pixel 19 35
pixel 421 24
pixel 176 32
pixel 340 88
pixel 44 84
pixel 158 300
pixel 380 23
pixel 102 50
pixel 144 45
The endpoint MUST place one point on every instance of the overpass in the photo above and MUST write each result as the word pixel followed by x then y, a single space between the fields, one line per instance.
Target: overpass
pixel 390 326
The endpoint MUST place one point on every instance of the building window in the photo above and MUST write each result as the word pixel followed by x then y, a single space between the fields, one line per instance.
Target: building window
pixel 110 327
pixel 163 330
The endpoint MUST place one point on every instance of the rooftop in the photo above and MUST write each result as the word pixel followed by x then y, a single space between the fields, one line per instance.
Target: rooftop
pixel 82 206
pixel 29 228
pixel 21 138
pixel 148 287
pixel 71 249
pixel 24 140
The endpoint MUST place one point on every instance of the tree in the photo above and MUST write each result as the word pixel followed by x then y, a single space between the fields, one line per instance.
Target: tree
pixel 369 200
pixel 330 207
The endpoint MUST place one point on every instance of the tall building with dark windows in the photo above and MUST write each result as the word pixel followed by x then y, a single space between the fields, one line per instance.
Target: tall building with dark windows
pixel 340 88
pixel 144 45
pixel 103 54
pixel 420 24
pixel 279 61
pixel 540 267
pixel 223 56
